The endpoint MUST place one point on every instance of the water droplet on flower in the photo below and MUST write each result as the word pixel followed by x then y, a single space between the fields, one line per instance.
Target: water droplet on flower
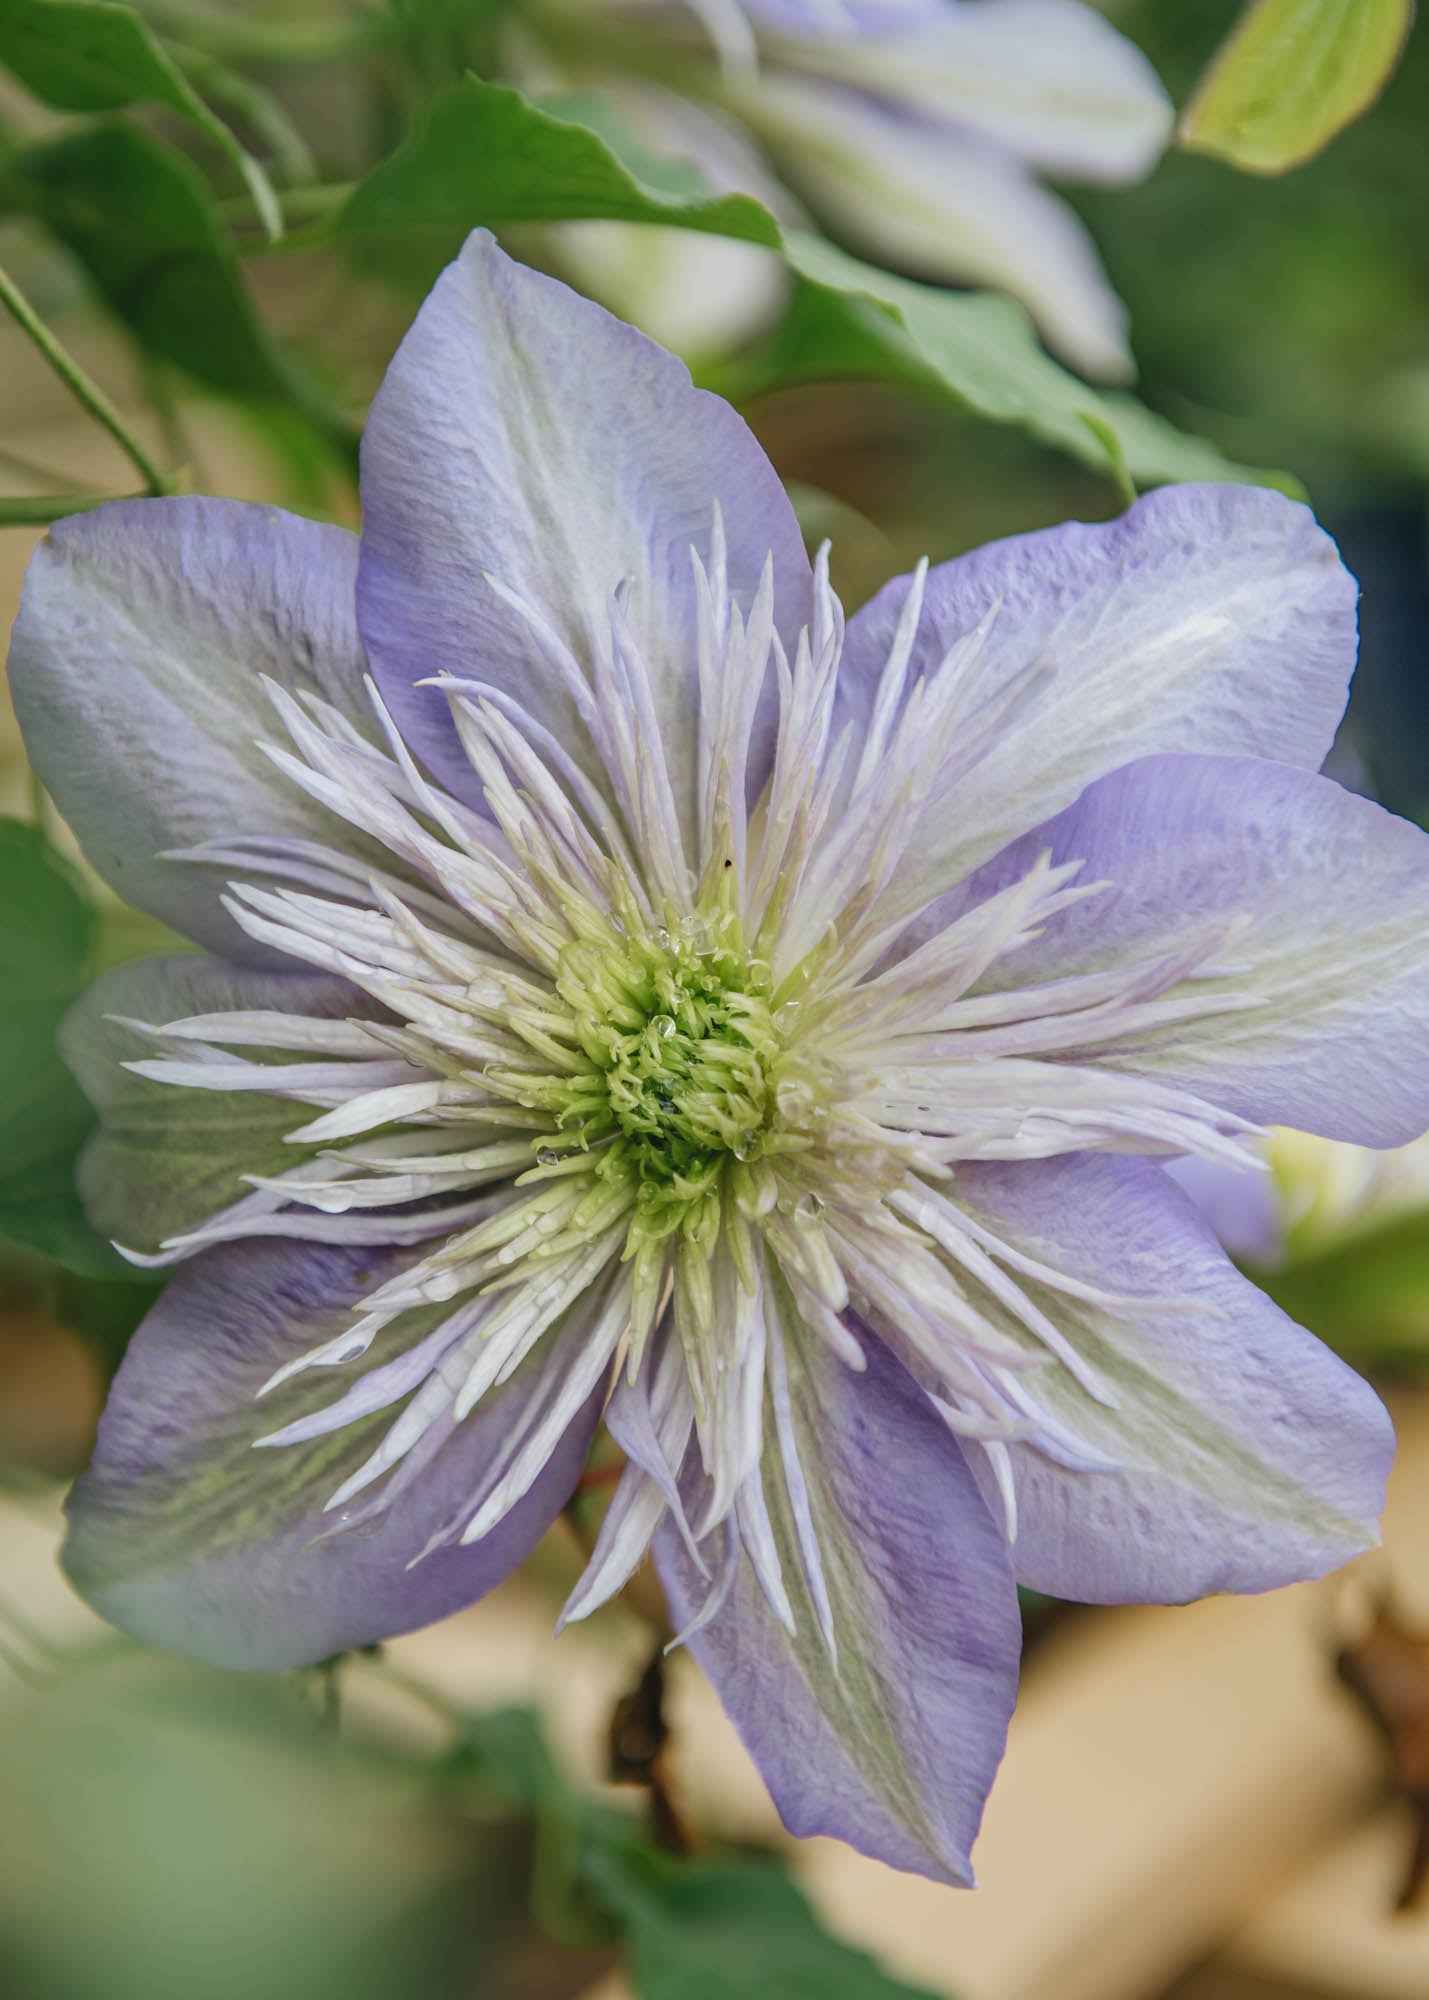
pixel 546 1156
pixel 663 938
pixel 786 1018
pixel 664 1026
pixel 745 1146
pixel 807 1210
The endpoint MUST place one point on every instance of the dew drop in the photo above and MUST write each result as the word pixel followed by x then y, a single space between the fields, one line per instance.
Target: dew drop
pixel 745 1146
pixel 546 1156
pixel 664 1026
pixel 663 938
pixel 807 1210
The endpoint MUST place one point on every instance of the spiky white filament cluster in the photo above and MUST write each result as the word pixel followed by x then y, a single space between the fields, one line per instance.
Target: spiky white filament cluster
pixel 631 1080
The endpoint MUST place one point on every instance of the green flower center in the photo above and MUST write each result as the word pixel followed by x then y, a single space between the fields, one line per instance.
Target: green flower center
pixel 677 1028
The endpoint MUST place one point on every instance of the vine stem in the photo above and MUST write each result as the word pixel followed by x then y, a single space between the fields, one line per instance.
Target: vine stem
pixel 37 510
pixel 80 385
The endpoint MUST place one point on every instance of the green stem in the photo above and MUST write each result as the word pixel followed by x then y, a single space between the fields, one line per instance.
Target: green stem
pixel 38 510
pixel 306 212
pixel 261 112
pixel 80 385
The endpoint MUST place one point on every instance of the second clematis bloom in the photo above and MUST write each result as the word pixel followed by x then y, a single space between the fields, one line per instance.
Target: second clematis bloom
pixel 916 130
pixel 633 996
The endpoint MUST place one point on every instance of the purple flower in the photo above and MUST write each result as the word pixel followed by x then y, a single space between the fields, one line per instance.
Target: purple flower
pixel 641 980
pixel 917 128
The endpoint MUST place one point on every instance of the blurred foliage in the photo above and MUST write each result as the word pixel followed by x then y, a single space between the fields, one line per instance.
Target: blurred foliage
pixel 1292 75
pixel 46 936
pixel 1290 321
pixel 231 1845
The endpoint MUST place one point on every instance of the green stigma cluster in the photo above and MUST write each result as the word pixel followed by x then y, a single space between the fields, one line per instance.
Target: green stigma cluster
pixel 664 1065
pixel 677 1028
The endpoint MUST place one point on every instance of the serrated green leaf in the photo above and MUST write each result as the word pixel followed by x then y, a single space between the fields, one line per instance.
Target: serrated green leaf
pixel 1292 75
pixel 46 934
pixel 484 154
pixel 727 1930
pixel 93 55
pixel 982 351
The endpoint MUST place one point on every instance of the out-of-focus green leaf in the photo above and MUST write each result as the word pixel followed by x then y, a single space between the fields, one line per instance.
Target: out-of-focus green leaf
pixel 139 219
pixel 982 351
pixel 484 154
pixel 1292 75
pixel 167 1832
pixel 722 1928
pixel 91 55
pixel 727 1930
pixel 1366 1295
pixel 46 933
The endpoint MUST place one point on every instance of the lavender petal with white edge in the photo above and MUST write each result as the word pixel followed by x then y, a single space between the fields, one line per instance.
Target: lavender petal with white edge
pixel 1210 619
pixel 944 205
pixel 524 438
pixel 1324 900
pixel 185 1535
pixel 136 665
pixel 893 1745
pixel 1245 1455
pixel 163 1159
pixel 1051 82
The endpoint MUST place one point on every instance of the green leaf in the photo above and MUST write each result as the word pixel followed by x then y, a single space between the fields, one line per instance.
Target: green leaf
pixel 139 218
pixel 727 1930
pixel 978 350
pixel 90 55
pixel 1292 75
pixel 46 933
pixel 484 154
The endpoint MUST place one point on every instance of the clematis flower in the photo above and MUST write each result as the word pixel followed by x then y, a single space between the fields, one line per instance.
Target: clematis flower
pixel 914 128
pixel 629 993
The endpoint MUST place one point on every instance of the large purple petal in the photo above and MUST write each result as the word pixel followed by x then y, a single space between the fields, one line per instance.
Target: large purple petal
pixel 143 633
pixel 185 1535
pixel 893 1746
pixel 164 1157
pixel 524 437
pixel 1215 619
pixel 1328 896
pixel 1245 1455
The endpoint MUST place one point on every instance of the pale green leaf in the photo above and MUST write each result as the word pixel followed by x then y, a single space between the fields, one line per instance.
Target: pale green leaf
pixel 1292 75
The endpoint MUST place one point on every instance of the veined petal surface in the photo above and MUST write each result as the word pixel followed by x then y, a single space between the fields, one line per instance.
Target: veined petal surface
pixel 1322 898
pixel 890 1738
pixel 525 445
pixel 184 1534
pixel 165 1159
pixel 1212 619
pixel 1240 1453
pixel 144 634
